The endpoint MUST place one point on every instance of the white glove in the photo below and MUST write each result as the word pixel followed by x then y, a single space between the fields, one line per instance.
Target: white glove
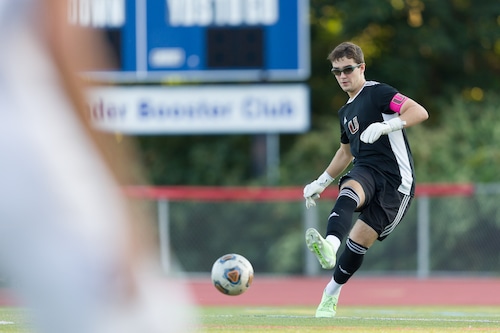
pixel 376 130
pixel 313 190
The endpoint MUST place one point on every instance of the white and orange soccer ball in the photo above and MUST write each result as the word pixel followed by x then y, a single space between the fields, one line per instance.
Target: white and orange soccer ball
pixel 232 274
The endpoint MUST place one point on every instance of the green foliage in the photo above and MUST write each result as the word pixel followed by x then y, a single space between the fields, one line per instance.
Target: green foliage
pixel 465 223
pixel 197 160
pixel 425 48
pixel 310 155
pixel 463 147
pixel 205 231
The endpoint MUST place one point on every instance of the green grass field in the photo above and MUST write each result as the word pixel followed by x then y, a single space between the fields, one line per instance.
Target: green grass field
pixel 300 319
pixel 351 319
pixel 12 320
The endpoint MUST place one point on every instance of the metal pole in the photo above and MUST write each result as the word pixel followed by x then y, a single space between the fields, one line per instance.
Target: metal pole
pixel 311 266
pixel 272 158
pixel 423 234
pixel 164 234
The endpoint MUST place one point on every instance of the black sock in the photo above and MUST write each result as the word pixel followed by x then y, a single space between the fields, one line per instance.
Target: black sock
pixel 349 262
pixel 340 219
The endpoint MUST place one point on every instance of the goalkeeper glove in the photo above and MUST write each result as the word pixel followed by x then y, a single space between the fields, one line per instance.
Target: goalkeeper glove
pixel 376 130
pixel 314 189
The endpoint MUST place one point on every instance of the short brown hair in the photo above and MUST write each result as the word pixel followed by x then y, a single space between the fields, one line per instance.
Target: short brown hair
pixel 347 50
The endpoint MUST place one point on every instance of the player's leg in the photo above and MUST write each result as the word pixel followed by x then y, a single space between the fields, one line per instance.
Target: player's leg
pixel 339 223
pixel 357 188
pixel 360 239
pixel 382 221
pixel 349 262
pixel 351 196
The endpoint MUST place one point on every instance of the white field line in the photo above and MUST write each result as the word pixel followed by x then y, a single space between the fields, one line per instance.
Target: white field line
pixel 425 319
pixel 371 318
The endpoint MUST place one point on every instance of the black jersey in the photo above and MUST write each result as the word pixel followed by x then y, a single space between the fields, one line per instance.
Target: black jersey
pixel 390 155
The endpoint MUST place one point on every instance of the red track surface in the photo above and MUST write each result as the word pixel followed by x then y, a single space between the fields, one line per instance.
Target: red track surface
pixel 301 291
pixel 267 291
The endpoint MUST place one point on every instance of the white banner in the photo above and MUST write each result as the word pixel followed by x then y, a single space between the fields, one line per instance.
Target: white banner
pixel 208 109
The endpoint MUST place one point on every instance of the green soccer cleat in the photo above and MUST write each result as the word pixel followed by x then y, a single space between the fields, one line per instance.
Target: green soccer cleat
pixel 321 248
pixel 328 306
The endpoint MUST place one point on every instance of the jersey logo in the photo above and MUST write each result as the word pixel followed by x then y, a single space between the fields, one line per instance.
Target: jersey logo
pixel 353 125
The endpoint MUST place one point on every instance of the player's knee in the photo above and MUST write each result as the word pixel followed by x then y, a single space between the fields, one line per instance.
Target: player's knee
pixel 348 192
pixel 340 219
pixel 356 187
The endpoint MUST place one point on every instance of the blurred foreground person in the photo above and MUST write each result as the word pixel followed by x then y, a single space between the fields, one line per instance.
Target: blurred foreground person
pixel 381 183
pixel 75 251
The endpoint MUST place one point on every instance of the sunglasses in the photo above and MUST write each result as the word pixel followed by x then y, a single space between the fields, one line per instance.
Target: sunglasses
pixel 347 70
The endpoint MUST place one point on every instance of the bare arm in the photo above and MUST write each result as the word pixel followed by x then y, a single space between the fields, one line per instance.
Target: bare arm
pixel 412 113
pixel 340 161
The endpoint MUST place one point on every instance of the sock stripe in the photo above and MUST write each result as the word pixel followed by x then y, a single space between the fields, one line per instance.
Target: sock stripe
pixel 355 247
pixel 350 193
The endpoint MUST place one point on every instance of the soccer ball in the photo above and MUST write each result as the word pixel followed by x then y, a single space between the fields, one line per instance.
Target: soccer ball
pixel 232 274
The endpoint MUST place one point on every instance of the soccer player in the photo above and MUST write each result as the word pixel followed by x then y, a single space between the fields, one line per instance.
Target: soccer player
pixel 381 183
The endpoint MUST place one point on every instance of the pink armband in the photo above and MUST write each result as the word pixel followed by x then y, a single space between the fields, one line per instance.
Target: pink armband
pixel 397 102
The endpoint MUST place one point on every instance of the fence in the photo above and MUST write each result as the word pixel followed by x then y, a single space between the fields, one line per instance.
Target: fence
pixel 450 229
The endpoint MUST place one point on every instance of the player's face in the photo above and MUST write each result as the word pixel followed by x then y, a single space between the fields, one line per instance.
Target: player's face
pixel 349 74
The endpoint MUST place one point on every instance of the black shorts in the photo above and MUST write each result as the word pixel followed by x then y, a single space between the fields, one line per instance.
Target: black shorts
pixel 384 205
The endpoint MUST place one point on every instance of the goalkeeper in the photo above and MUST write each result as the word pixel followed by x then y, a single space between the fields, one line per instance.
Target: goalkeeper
pixel 381 184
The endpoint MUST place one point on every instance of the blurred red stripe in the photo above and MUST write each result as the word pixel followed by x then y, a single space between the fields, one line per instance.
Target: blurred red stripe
pixel 222 193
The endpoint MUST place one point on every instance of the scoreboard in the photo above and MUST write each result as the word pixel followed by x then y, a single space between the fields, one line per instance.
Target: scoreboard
pixel 201 40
